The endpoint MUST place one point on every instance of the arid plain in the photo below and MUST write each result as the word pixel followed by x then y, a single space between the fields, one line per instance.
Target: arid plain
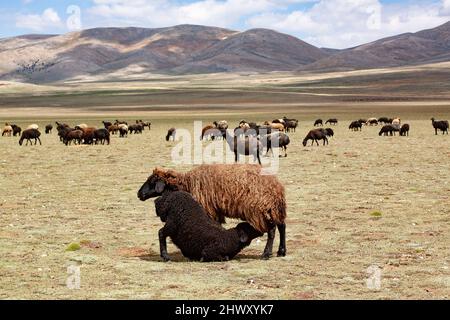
pixel 360 202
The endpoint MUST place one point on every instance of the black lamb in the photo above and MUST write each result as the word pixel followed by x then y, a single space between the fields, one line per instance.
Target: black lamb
pixel 195 233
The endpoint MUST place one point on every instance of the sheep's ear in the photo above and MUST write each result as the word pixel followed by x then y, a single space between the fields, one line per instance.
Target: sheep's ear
pixel 160 186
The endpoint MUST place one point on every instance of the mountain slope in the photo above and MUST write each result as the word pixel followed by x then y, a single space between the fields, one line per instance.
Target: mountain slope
pixel 255 50
pixel 406 49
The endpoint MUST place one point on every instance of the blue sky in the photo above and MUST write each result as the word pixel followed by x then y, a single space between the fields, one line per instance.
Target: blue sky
pixel 324 23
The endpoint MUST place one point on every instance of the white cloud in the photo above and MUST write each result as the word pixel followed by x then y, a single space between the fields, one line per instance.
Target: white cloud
pixel 39 22
pixel 347 23
pixel 159 13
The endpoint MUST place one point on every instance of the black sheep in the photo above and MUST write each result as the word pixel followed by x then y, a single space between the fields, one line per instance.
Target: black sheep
pixel 171 134
pixel 48 129
pixel 195 233
pixel 329 132
pixel 107 124
pixel 404 131
pixel 280 139
pixel 315 136
pixel 16 130
pixel 389 130
pixel 29 135
pixel 102 136
pixel 440 125
pixel 385 120
pixel 319 122
pixel 332 121
pixel 355 126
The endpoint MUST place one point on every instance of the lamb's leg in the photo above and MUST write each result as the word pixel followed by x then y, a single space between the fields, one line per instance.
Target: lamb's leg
pixel 163 245
pixel 269 245
pixel 40 141
pixel 282 248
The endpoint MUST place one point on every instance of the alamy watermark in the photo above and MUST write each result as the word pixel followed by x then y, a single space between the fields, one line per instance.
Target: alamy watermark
pixel 374 279
pixel 73 22
pixel 73 281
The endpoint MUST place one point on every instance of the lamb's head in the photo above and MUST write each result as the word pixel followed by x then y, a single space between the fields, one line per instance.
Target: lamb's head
pixel 247 233
pixel 157 183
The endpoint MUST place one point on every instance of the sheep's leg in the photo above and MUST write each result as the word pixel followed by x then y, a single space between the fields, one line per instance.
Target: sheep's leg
pixel 269 245
pixel 163 245
pixel 40 141
pixel 282 248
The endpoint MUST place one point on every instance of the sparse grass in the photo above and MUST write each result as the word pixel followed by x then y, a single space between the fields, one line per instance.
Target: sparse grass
pixel 55 195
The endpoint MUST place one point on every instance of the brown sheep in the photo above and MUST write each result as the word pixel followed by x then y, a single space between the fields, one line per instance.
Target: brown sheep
pixel 7 131
pixel 276 126
pixel 88 135
pixel 113 129
pixel 30 134
pixel 235 191
pixel 209 132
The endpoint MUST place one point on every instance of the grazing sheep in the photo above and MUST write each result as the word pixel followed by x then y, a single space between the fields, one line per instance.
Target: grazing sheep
pixel 276 126
pixel 333 122
pixel 48 129
pixel 371 122
pixel 315 136
pixel 281 140
pixel 60 126
pixel 102 136
pixel 404 131
pixel 290 124
pixel 329 132
pixel 123 131
pixel 221 125
pixel 171 133
pixel 279 121
pixel 144 124
pixel 63 131
pixel 396 122
pixel 16 130
pixel 33 126
pixel 7 131
pixel 135 128
pixel 197 235
pixel 30 134
pixel 389 130
pixel 73 135
pixel 107 124
pixel 440 125
pixel 355 126
pixel 236 191
pixel 113 129
pixel 81 126
pixel 88 135
pixel 385 120
pixel 120 122
pixel 319 122
pixel 246 146
pixel 209 132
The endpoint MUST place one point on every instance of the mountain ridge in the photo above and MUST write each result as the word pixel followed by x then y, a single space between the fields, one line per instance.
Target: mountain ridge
pixel 193 49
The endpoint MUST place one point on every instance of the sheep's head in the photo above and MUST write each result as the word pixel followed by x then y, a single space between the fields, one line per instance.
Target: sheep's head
pixel 247 233
pixel 157 183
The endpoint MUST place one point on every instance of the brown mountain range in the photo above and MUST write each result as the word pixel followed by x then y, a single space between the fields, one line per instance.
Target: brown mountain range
pixel 188 49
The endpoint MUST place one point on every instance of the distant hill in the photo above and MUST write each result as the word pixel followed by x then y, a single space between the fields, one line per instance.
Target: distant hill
pixel 423 47
pixel 190 49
